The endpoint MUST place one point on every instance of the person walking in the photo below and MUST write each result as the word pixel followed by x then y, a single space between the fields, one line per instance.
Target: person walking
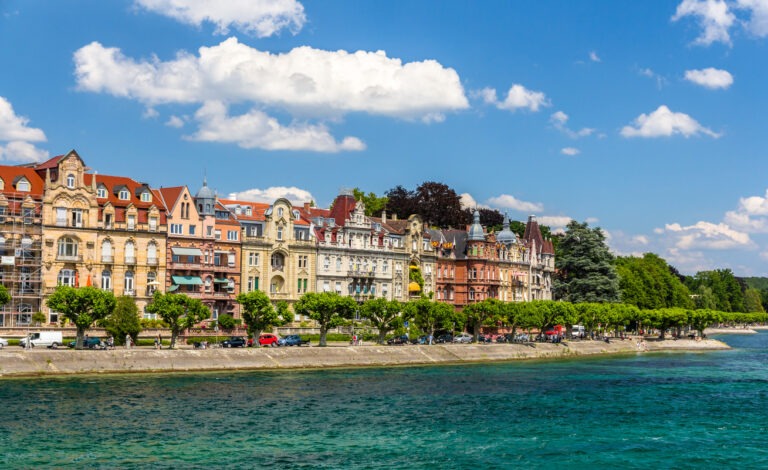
pixel 127 341
pixel 157 342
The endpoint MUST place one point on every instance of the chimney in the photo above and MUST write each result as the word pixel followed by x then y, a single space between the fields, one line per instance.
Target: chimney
pixel 394 216
pixel 307 206
pixel 384 216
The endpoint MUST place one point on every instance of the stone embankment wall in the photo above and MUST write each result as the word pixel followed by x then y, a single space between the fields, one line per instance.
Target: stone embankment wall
pixel 18 362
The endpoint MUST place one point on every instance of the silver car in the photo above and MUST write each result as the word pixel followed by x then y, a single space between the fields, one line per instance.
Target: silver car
pixel 462 338
pixel 3 343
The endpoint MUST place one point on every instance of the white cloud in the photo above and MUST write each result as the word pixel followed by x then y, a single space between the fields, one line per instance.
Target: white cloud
pixel 706 235
pixel 713 16
pixel 758 23
pixel 256 17
pixel 19 151
pixel 518 97
pixel 571 151
pixel 647 72
pixel 505 201
pixel 150 113
pixel 559 121
pixel 710 78
pixel 751 215
pixel 594 57
pixel 269 195
pixel 175 121
pixel 592 220
pixel 257 130
pixel 13 127
pixel 554 221
pixel 665 123
pixel 304 80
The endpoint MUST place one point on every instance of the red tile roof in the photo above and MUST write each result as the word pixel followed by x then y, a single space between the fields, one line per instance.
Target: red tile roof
pixel 343 205
pixel 11 173
pixel 257 209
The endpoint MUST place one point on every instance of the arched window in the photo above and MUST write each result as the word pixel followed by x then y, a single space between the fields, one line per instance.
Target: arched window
pixel 151 282
pixel 106 279
pixel 152 254
pixel 129 285
pixel 278 261
pixel 106 251
pixel 70 181
pixel 66 277
pixel 130 253
pixel 208 283
pixel 67 248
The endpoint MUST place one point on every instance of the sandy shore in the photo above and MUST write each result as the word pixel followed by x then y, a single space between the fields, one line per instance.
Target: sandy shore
pixel 731 331
pixel 16 362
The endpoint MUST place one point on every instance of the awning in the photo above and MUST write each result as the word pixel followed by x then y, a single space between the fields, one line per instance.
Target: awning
pixel 187 280
pixel 221 281
pixel 221 252
pixel 173 288
pixel 177 250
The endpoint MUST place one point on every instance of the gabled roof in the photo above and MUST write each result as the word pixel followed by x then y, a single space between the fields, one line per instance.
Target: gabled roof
pixel 170 196
pixel 257 209
pixel 533 233
pixel 343 205
pixel 10 173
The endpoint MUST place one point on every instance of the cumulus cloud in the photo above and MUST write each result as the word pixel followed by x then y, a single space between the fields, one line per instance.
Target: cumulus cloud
pixel 758 22
pixel 664 123
pixel 751 215
pixel 559 121
pixel 304 80
pixel 269 195
pixel 714 17
pixel 18 151
pixel 175 121
pixel 710 78
pixel 570 151
pixel 257 130
pixel 706 235
pixel 255 17
pixel 554 221
pixel 505 201
pixel 518 97
pixel 17 135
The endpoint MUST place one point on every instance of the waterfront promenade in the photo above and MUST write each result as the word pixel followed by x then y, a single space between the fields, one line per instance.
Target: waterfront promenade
pixel 16 362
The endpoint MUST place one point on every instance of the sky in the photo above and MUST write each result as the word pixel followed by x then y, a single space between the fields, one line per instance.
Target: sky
pixel 646 119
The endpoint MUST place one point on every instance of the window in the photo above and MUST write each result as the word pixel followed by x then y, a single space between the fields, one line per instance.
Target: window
pixel 279 211
pixel 130 253
pixel 123 195
pixel 232 235
pixel 192 229
pixel 106 279
pixel 280 233
pixel 66 277
pixel 77 217
pixel 278 261
pixel 152 254
pixel 70 181
pixel 61 216
pixel 209 231
pixel 28 213
pixel 176 229
pixel 153 224
pixel 131 222
pixel 385 266
pixel 248 211
pixel 151 282
pixel 107 220
pixel 106 251
pixel 217 234
pixel 67 248
pixel 471 294
pixel 303 260
pixel 22 185
pixel 326 286
pixel 231 259
pixel 338 287
pixel 253 259
pixel 101 192
pixel 327 263
pixel 253 283
pixel 146 196
pixel 338 263
pixel 129 286
pixel 2 213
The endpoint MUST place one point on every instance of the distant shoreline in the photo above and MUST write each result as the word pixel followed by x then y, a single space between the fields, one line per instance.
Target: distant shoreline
pixel 16 362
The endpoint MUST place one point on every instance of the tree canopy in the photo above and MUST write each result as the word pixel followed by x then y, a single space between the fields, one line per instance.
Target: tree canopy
pixel 258 313
pixel 648 283
pixel 328 309
pixel 82 306
pixel 585 266
pixel 384 315
pixel 178 311
pixel 5 297
pixel 124 320
pixel 726 289
pixel 373 204
pixel 436 203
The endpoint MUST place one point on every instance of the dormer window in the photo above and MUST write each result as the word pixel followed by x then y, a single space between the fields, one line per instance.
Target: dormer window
pixel 2 184
pixel 248 211
pixel 101 192
pixel 146 196
pixel 124 195
pixel 279 211
pixel 22 185
pixel 70 181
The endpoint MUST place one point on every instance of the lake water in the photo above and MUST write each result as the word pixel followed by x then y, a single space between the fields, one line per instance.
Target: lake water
pixel 661 410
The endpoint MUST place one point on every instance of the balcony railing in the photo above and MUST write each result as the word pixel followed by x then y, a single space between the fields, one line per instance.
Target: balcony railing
pixel 130 260
pixel 151 261
pixel 107 259
pixel 361 273
pixel 75 258
pixel 277 267
pixel 130 292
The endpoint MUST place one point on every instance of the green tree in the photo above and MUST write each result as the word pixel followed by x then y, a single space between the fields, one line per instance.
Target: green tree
pixel 728 293
pixel 226 321
pixel 374 205
pixel 178 311
pixel 703 318
pixel 649 283
pixel 484 313
pixel 429 315
pixel 328 309
pixel 82 306
pixel 385 315
pixel 124 320
pixel 258 313
pixel 705 298
pixel 753 302
pixel 5 297
pixel 38 318
pixel 585 270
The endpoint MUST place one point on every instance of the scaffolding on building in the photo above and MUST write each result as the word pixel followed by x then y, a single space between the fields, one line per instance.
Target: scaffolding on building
pixel 20 257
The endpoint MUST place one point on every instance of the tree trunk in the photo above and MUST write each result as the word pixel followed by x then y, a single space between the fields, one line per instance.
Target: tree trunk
pixel 475 330
pixel 79 338
pixel 174 335
pixel 382 336
pixel 323 333
pixel 256 335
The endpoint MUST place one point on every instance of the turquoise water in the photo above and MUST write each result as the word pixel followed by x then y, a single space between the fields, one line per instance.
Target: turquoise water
pixel 671 410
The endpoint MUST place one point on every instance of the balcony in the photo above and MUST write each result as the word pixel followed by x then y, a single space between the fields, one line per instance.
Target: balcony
pixel 130 292
pixel 130 260
pixel 361 273
pixel 108 259
pixel 151 261
pixel 220 294
pixel 69 258
pixel 175 265
pixel 277 267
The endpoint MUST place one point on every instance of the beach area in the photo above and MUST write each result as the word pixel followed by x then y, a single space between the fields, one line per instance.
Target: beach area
pixel 17 362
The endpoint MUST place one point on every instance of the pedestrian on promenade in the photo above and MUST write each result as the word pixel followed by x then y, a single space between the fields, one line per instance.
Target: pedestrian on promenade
pixel 127 341
pixel 157 342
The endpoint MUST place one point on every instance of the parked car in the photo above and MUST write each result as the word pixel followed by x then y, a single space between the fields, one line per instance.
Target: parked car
pixel 444 338
pixel 3 343
pixel 462 338
pixel 49 339
pixel 423 339
pixel 402 339
pixel 88 343
pixel 268 339
pixel 234 342
pixel 292 340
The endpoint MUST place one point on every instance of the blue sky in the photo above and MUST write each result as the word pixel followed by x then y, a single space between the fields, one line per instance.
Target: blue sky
pixel 645 121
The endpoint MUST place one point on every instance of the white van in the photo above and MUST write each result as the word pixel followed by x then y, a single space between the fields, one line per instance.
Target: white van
pixel 577 331
pixel 49 339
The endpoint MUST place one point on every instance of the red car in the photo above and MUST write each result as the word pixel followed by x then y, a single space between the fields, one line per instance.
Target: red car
pixel 268 339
